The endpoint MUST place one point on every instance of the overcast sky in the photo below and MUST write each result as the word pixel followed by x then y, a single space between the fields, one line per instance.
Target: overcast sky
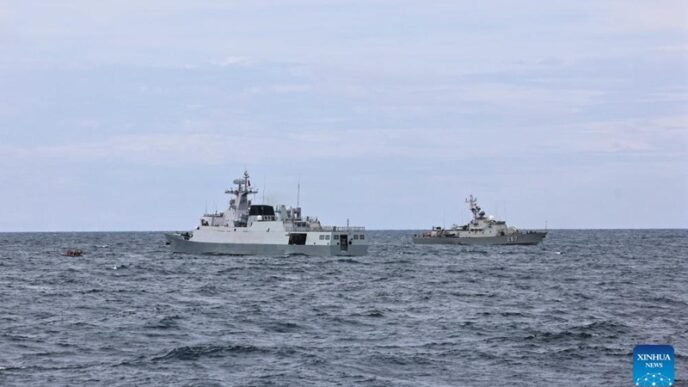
pixel 136 115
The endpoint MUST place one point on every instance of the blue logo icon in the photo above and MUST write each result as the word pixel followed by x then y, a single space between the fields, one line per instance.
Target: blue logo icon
pixel 653 365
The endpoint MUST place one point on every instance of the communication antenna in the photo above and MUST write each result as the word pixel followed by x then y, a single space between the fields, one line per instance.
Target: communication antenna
pixel 298 193
pixel 263 200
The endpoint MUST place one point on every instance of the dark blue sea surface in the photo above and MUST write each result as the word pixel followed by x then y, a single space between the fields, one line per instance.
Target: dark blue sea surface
pixel 567 312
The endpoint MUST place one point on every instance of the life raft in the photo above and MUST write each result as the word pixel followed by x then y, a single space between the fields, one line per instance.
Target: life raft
pixel 73 253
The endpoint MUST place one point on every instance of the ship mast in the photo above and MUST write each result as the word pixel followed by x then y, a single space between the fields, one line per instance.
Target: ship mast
pixel 243 186
pixel 241 192
pixel 475 208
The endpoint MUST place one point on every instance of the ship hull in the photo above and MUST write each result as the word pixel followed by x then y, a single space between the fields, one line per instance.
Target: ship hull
pixel 529 238
pixel 179 244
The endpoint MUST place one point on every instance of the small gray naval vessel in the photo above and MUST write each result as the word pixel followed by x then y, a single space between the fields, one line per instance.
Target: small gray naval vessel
pixel 481 230
pixel 260 229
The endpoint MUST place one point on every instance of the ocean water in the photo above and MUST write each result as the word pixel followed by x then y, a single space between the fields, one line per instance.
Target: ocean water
pixel 567 312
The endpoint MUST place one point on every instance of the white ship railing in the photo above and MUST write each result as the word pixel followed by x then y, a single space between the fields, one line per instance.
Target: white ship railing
pixel 342 228
pixel 324 228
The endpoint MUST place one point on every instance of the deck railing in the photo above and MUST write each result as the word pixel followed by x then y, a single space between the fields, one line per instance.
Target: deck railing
pixel 342 228
pixel 326 228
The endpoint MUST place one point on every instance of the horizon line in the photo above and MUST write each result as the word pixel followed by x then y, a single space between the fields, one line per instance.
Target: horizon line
pixel 367 229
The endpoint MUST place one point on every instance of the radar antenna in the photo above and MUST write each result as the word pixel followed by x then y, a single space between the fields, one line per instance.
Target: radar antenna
pixel 475 208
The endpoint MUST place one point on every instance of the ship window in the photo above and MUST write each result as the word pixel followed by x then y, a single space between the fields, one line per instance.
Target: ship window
pixel 335 236
pixel 362 236
pixel 262 210
pixel 297 239
pixel 322 237
pixel 355 236
pixel 327 237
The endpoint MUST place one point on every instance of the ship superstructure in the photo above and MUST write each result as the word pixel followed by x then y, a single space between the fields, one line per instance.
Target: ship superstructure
pixel 245 228
pixel 481 230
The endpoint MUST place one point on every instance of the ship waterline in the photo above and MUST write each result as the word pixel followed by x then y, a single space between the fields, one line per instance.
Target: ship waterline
pixel 180 245
pixel 520 238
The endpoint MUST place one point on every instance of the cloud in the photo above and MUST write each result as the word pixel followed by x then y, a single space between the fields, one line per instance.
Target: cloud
pixel 642 16
pixel 657 139
pixel 661 136
pixel 553 92
pixel 233 61
pixel 281 89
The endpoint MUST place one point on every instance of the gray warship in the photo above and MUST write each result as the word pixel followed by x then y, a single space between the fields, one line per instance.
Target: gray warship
pixel 481 230
pixel 245 228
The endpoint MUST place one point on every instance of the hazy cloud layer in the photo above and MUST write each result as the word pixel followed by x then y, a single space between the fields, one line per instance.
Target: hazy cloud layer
pixel 133 116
